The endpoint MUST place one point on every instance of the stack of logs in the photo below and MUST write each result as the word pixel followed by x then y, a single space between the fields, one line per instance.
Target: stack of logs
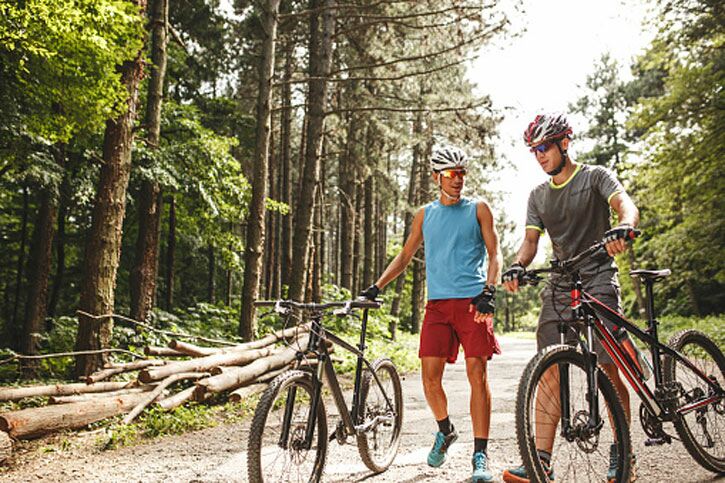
pixel 238 371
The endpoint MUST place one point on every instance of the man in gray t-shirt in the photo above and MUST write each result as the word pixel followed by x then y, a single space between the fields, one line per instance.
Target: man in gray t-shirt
pixel 573 208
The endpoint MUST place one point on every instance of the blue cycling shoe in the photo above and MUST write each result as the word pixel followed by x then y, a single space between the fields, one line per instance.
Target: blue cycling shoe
pixel 481 474
pixel 439 452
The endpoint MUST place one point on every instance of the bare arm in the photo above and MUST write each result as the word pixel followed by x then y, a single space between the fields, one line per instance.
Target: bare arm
pixel 525 255
pixel 401 261
pixel 627 214
pixel 490 238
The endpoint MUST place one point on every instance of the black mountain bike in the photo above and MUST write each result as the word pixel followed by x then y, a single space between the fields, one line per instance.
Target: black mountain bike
pixel 563 388
pixel 289 434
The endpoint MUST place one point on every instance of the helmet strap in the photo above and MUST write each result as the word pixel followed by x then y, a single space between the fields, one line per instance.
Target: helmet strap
pixel 440 187
pixel 564 157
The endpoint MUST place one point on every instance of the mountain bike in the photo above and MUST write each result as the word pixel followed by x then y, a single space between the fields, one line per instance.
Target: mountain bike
pixel 689 375
pixel 289 434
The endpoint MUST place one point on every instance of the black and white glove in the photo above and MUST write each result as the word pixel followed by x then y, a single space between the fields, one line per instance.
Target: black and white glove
pixel 515 272
pixel 370 293
pixel 621 232
pixel 484 302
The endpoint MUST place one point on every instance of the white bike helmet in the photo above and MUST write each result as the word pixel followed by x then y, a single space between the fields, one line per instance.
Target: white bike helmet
pixel 448 157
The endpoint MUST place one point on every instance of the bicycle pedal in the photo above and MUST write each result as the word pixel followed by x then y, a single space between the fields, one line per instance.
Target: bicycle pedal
pixel 658 441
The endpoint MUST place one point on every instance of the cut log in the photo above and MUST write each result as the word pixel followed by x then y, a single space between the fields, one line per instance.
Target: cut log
pixel 239 395
pixel 238 376
pixel 162 351
pixel 32 422
pixel 203 364
pixel 177 399
pixel 192 349
pixel 289 333
pixel 16 393
pixel 121 368
pixel 98 395
pixel 151 397
pixel 6 447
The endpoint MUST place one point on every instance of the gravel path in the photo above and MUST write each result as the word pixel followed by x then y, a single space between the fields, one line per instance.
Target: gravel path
pixel 218 454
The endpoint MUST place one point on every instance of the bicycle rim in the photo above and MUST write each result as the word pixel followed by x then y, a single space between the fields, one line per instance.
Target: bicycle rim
pixel 702 431
pixel 269 461
pixel 379 445
pixel 585 455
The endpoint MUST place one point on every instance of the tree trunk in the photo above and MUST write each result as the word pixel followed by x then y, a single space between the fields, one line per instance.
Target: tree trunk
pixel 637 285
pixel 286 168
pixel 418 289
pixel 369 231
pixel 60 241
pixel 211 275
pixel 347 174
pixel 38 274
pixel 255 221
pixel 17 393
pixel 13 330
pixel 270 255
pixel 103 249
pixel 320 52
pixel 170 254
pixel 358 238
pixel 143 273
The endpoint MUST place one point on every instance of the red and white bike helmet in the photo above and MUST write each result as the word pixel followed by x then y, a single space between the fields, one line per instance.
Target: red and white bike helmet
pixel 547 127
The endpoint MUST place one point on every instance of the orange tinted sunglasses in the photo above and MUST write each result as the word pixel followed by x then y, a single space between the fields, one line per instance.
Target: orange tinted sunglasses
pixel 453 173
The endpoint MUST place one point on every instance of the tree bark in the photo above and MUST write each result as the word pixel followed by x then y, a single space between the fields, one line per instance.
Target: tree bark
pixel 170 254
pixel 255 220
pixel 418 289
pixel 13 330
pixel 41 249
pixel 121 368
pixel 143 273
pixel 320 52
pixel 357 238
pixel 157 391
pixel 369 231
pixel 98 395
pixel 33 422
pixel 286 168
pixel 60 242
pixel 17 393
pixel 347 173
pixel 103 249
pixel 211 274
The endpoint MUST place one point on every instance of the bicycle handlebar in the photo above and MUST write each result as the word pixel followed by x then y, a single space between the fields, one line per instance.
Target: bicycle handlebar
pixel 531 277
pixel 344 308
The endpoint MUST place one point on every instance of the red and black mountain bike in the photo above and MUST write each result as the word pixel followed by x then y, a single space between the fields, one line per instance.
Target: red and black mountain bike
pixel 563 394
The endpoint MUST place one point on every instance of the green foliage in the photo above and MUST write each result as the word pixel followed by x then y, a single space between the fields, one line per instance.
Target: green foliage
pixel 58 62
pixel 713 326
pixel 681 186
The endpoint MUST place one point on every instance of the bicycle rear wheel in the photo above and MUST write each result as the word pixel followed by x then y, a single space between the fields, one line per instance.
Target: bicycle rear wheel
pixel 272 458
pixel 379 443
pixel 585 454
pixel 703 430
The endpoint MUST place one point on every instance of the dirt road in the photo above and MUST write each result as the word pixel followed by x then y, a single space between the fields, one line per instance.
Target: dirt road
pixel 218 454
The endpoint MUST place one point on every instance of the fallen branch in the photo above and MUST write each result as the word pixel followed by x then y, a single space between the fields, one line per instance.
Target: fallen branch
pixel 121 368
pixel 151 397
pixel 162 351
pixel 28 423
pixel 97 395
pixel 16 393
pixel 154 329
pixel 204 364
pixel 239 395
pixel 192 350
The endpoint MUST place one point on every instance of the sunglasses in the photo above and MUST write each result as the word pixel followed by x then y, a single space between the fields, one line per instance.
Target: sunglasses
pixel 453 173
pixel 543 147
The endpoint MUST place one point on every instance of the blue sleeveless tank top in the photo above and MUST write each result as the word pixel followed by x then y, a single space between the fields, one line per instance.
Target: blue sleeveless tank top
pixel 455 254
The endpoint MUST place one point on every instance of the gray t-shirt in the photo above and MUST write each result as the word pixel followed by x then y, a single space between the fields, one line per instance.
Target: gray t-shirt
pixel 575 215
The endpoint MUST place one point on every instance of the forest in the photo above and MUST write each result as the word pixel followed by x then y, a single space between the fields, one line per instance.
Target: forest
pixel 173 161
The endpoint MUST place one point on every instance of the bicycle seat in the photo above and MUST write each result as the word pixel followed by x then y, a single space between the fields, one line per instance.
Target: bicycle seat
pixel 651 275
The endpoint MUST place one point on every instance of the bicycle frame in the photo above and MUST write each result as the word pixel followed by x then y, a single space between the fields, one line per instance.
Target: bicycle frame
pixel 588 308
pixel 317 344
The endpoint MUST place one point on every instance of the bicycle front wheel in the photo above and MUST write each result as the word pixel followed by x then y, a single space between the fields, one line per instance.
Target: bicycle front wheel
pixel 584 453
pixel 379 441
pixel 703 430
pixel 274 458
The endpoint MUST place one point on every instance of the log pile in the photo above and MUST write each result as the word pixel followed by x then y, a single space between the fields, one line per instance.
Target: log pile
pixel 236 371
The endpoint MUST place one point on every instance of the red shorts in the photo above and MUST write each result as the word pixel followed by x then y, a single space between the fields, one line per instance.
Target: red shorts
pixel 448 324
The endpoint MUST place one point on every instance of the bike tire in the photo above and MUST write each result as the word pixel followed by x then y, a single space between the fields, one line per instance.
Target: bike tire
pixel 378 447
pixel 676 372
pixel 525 403
pixel 264 432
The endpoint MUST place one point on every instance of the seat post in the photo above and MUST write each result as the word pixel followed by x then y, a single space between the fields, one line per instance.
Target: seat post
pixel 650 305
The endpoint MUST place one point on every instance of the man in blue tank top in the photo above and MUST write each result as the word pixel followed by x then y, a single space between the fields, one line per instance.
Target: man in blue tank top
pixel 459 234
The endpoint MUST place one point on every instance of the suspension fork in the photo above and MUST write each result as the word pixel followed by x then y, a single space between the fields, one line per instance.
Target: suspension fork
pixel 564 394
pixel 312 346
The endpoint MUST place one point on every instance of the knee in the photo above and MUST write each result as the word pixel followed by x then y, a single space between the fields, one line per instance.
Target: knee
pixel 432 382
pixel 477 374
